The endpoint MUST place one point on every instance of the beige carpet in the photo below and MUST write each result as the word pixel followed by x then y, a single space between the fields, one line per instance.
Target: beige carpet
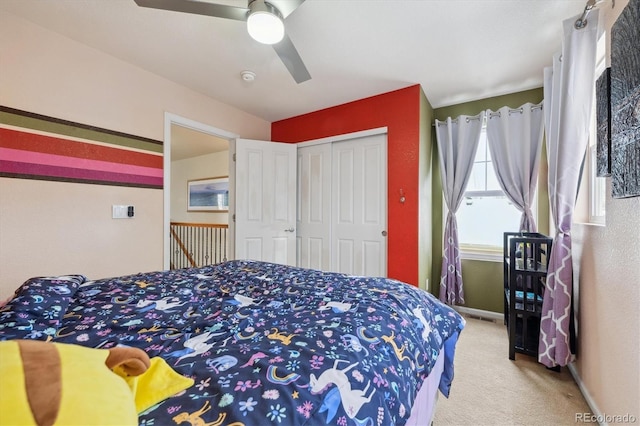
pixel 489 389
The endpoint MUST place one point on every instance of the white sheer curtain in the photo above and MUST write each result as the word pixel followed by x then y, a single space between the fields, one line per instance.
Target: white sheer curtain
pixel 457 145
pixel 515 142
pixel 568 97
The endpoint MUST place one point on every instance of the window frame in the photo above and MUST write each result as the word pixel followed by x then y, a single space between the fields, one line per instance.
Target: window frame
pixel 593 189
pixel 597 194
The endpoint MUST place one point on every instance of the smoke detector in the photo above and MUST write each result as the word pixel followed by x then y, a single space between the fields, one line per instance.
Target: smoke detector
pixel 248 75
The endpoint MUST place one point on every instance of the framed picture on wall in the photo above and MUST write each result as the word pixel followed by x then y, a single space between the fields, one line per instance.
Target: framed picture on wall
pixel 603 118
pixel 625 102
pixel 208 195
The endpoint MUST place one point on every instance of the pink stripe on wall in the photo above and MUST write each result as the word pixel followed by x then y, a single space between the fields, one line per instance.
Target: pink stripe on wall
pixel 31 170
pixel 21 156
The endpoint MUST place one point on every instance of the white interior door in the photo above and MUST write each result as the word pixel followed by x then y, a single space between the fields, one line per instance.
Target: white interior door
pixel 359 206
pixel 265 201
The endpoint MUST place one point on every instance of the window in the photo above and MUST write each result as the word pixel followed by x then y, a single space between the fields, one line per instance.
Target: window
pixel 590 204
pixel 597 191
pixel 597 185
pixel 485 212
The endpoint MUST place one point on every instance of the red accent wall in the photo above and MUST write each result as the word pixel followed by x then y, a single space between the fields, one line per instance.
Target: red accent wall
pixel 399 111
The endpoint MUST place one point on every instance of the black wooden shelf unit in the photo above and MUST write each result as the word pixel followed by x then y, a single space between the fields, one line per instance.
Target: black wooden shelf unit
pixel 525 276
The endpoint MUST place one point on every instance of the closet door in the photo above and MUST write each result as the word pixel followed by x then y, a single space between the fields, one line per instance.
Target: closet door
pixel 314 207
pixel 359 206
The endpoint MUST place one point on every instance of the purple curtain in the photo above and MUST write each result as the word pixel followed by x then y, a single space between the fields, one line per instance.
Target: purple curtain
pixel 515 143
pixel 457 145
pixel 568 97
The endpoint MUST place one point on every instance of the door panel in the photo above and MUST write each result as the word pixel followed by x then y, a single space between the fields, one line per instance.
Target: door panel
pixel 373 197
pixel 345 253
pixel 314 206
pixel 281 245
pixel 265 208
pixel 254 170
pixel 252 248
pixel 372 251
pixel 344 186
pixel 283 199
pixel 359 205
pixel 316 252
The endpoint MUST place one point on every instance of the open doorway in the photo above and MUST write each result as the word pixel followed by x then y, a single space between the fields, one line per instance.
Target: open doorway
pixel 194 154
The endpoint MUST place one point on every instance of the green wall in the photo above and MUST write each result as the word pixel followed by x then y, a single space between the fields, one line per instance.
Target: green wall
pixel 513 100
pixel 425 210
pixel 483 282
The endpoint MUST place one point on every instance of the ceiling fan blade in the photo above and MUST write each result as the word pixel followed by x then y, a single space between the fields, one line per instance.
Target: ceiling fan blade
pixel 285 48
pixel 286 6
pixel 292 60
pixel 197 7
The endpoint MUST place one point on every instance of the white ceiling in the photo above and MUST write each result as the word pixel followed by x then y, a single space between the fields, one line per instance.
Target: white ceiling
pixel 188 143
pixel 457 50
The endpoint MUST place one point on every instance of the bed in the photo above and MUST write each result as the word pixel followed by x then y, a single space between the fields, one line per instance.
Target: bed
pixel 264 343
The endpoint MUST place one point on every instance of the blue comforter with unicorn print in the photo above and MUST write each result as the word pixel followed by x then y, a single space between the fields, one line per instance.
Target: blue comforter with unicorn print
pixel 265 343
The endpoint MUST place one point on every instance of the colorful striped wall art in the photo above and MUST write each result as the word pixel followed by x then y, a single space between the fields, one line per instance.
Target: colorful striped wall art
pixel 34 146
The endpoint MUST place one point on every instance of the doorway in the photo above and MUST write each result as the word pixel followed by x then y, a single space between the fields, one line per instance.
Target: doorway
pixel 184 139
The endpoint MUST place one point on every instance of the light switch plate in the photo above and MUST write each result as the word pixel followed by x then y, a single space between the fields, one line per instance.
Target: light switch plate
pixel 119 211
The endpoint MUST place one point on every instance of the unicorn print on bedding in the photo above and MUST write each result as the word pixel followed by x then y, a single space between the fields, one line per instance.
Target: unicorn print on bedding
pixel 351 399
pixel 265 344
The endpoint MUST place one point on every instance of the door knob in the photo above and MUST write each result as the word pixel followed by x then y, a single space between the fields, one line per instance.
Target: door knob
pixel 289 230
pixel 384 233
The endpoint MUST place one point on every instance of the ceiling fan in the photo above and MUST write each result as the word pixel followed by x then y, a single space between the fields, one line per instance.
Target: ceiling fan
pixel 262 17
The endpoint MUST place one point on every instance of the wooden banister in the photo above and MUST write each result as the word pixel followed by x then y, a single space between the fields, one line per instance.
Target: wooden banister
pixel 197 244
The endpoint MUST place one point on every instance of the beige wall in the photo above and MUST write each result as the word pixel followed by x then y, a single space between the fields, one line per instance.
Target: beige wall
pixel 608 353
pixel 53 228
pixel 63 228
pixel 182 171
pixel 608 261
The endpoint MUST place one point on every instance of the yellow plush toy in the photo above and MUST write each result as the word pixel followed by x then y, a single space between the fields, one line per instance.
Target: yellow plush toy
pixel 47 383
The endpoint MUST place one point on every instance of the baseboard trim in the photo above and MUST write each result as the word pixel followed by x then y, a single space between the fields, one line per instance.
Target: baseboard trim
pixel 587 396
pixel 480 313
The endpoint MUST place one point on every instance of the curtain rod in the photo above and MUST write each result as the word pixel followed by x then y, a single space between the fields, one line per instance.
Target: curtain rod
pixel 492 114
pixel 455 120
pixel 581 22
pixel 513 111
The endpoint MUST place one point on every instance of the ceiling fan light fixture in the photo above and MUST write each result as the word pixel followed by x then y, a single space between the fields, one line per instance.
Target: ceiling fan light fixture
pixel 265 23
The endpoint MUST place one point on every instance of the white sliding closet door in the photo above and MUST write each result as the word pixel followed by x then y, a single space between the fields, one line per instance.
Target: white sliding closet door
pixel 359 206
pixel 342 205
pixel 314 207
